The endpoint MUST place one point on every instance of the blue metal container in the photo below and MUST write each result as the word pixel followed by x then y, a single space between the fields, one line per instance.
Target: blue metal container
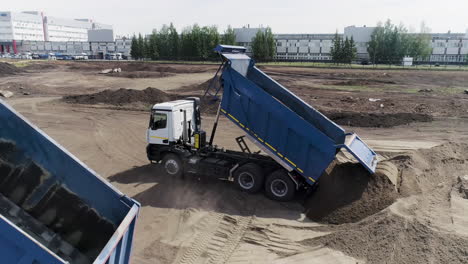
pixel 53 208
pixel 292 132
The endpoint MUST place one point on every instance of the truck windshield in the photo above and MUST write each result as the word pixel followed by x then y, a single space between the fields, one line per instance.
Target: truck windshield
pixel 158 121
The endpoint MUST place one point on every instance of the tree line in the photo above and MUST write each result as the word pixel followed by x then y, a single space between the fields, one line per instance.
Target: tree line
pixel 343 50
pixel 193 43
pixel 390 43
pixel 196 43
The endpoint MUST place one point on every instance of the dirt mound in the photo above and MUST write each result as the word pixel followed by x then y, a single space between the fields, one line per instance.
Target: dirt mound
pixel 361 82
pixel 18 88
pixel 356 119
pixel 348 193
pixel 128 97
pixel 140 67
pixel 141 74
pixel 209 105
pixel 122 97
pixel 389 238
pixel 8 69
pixel 198 88
pixel 427 224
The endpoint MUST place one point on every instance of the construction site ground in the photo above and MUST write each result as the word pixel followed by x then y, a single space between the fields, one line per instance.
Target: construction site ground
pixel 417 120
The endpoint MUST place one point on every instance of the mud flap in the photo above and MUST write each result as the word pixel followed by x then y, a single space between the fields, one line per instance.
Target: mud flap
pixel 363 153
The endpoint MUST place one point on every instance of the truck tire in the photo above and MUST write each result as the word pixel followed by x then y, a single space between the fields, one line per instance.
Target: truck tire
pixel 172 165
pixel 279 186
pixel 249 178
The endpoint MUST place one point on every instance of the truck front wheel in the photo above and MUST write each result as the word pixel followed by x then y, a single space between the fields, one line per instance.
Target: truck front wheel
pixel 279 186
pixel 249 178
pixel 172 165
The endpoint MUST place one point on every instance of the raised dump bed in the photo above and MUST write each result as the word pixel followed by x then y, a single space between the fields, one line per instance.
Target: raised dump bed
pixel 292 132
pixel 53 208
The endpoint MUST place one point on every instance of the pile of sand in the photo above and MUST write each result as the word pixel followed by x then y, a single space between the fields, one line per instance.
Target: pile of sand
pixel 357 119
pixel 348 193
pixel 362 82
pixel 138 67
pixel 141 74
pixel 427 224
pixel 8 69
pixel 122 97
pixel 390 238
pixel 141 99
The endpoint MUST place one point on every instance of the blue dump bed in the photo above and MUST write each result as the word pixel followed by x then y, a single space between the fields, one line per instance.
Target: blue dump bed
pixel 54 209
pixel 292 132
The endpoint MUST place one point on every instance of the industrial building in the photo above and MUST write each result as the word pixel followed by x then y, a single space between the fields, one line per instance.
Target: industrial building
pixel 446 47
pixel 33 31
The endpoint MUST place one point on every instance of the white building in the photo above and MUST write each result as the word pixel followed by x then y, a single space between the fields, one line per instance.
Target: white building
pixel 360 35
pixel 303 46
pixel 245 35
pixel 61 29
pixel 15 26
pixel 21 26
pixel 446 47
pixel 18 27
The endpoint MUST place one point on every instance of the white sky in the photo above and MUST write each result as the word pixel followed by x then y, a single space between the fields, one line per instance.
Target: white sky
pixel 285 16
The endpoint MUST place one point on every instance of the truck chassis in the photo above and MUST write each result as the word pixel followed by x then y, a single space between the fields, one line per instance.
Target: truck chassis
pixel 251 172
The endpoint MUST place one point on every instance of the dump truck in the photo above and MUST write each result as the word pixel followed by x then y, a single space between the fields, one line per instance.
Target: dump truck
pixel 297 142
pixel 53 208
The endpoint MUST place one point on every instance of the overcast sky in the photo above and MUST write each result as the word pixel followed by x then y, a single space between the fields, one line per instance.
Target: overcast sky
pixel 285 16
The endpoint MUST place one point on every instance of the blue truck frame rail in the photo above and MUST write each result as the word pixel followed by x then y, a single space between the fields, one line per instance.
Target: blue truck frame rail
pixel 288 129
pixel 29 233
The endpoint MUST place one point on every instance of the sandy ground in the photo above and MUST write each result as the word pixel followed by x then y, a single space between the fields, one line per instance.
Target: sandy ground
pixel 200 221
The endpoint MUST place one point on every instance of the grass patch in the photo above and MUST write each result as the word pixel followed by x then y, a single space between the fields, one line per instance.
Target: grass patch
pixel 392 88
pixel 19 63
pixel 366 67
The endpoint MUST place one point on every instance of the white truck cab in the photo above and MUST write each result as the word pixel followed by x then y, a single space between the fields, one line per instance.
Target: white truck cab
pixel 170 122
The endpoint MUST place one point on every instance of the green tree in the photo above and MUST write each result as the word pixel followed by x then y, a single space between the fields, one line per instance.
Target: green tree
pixel 336 51
pixel 152 47
pixel 390 43
pixel 270 44
pixel 229 36
pixel 211 38
pixel 263 45
pixel 186 43
pixel 346 52
pixel 163 42
pixel 352 52
pixel 173 42
pixel 343 51
pixel 419 45
pixel 258 48
pixel 134 49
pixel 141 47
pixel 375 45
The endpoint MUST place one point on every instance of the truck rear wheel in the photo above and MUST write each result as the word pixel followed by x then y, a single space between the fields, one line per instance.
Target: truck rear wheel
pixel 279 186
pixel 172 165
pixel 249 178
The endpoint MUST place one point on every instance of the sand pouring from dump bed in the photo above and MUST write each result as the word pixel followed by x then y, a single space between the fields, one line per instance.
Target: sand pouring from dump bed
pixel 348 193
